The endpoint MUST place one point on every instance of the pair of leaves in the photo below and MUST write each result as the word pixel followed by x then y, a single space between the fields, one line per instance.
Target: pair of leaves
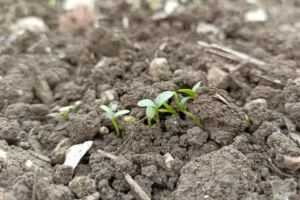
pixel 158 102
pixel 153 107
pixel 190 92
pixel 111 114
pixel 180 104
pixel 150 107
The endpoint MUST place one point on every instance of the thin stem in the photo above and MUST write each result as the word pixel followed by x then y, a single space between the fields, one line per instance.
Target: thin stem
pixel 177 102
pixel 149 122
pixel 168 107
pixel 114 122
pixel 194 118
pixel 157 118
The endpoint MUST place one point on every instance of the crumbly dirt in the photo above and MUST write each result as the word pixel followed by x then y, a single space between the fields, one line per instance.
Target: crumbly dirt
pixel 83 64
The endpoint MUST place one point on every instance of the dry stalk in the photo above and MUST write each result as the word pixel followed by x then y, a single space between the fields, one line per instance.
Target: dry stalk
pixel 136 188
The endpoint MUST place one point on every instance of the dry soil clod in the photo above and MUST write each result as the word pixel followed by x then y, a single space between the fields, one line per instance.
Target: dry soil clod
pixel 41 86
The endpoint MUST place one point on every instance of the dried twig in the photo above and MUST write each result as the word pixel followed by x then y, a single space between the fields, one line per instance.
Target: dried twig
pixel 120 148
pixel 230 53
pixel 41 157
pixel 133 185
pixel 34 187
pixel 240 55
pixel 275 168
pixel 237 56
pixel 136 188
pixel 108 155
pixel 218 96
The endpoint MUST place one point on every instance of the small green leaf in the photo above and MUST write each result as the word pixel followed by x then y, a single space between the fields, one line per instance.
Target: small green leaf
pixel 52 2
pixel 150 111
pixel 181 107
pixel 64 111
pixel 162 98
pixel 66 108
pixel 108 111
pixel 145 103
pixel 122 112
pixel 163 110
pixel 189 92
pixel 168 107
pixel 196 86
pixel 184 100
pixel 128 118
pixel 247 122
pixel 194 118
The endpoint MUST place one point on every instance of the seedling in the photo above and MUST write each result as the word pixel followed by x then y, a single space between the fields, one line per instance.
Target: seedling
pixel 247 122
pixel 182 108
pixel 128 118
pixel 190 92
pixel 113 116
pixel 64 111
pixel 153 108
pixel 195 1
pixel 181 104
pixel 52 2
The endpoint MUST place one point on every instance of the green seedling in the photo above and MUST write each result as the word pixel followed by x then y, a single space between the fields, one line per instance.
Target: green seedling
pixel 195 1
pixel 113 116
pixel 64 111
pixel 129 119
pixel 247 122
pixel 52 2
pixel 191 96
pixel 182 108
pixel 190 92
pixel 153 108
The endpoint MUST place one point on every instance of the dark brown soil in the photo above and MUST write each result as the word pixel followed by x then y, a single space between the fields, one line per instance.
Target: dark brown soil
pixel 111 64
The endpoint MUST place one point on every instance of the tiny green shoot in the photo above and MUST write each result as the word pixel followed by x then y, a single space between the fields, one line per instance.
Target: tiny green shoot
pixel 190 92
pixel 182 108
pixel 113 116
pixel 153 108
pixel 52 2
pixel 129 119
pixel 247 122
pixel 191 96
pixel 64 111
pixel 195 1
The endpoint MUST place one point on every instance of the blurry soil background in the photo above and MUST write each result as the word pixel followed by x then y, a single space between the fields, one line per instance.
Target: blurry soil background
pixel 246 53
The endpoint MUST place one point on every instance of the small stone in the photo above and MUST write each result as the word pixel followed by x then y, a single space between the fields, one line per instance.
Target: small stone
pixel 82 186
pixel 114 106
pixel 24 145
pixel 103 130
pixel 58 154
pixel 290 162
pixel 63 174
pixel 108 96
pixel 9 130
pixel 209 30
pixel 260 101
pixel 94 196
pixel 158 67
pixel 258 15
pixel 33 24
pixel 215 76
pixel 168 160
pixel 89 96
pixel 76 152
pixel 171 6
pixel 152 173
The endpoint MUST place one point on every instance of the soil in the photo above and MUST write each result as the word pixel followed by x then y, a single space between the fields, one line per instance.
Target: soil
pixel 131 53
